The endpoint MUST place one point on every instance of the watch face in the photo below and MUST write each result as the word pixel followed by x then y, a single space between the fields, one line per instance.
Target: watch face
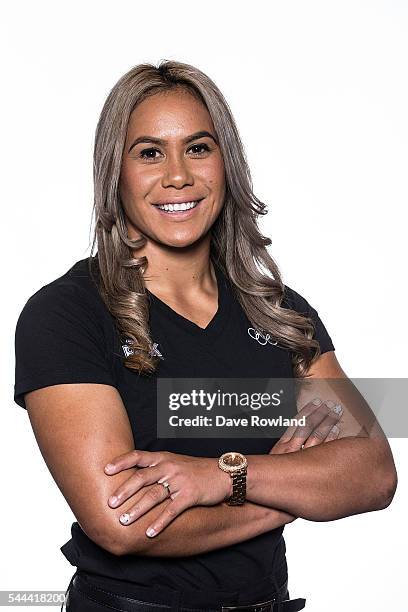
pixel 232 462
pixel 233 459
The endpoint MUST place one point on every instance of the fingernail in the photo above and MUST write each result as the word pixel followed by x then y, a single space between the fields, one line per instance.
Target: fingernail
pixel 109 467
pixel 124 518
pixel 150 532
pixel 317 401
pixel 330 404
pixel 338 409
pixel 113 500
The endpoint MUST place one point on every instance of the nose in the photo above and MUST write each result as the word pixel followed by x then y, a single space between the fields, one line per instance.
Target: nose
pixel 176 172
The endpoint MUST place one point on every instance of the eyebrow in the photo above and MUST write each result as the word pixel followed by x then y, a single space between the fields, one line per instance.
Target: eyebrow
pixel 159 141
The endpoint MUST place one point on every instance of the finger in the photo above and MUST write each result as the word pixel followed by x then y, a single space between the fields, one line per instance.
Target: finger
pixel 333 418
pixel 149 500
pixel 333 433
pixel 288 433
pixel 131 459
pixel 315 415
pixel 325 428
pixel 316 437
pixel 306 410
pixel 134 483
pixel 314 412
pixel 318 421
pixel 168 515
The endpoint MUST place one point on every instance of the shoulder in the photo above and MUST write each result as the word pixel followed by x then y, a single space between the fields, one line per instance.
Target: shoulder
pixel 75 290
pixel 293 300
pixel 69 305
pixel 297 302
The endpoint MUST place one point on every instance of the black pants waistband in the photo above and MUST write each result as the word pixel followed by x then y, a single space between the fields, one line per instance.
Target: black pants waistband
pixel 194 600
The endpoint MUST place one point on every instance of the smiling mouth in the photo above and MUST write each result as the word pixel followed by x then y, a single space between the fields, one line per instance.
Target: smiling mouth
pixel 178 207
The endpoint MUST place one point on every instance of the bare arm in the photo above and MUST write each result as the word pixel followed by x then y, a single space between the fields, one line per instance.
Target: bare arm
pixel 79 428
pixel 324 483
pixel 351 475
pixel 203 528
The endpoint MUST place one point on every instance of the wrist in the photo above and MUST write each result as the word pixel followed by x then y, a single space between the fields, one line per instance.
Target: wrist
pixel 226 481
pixel 235 465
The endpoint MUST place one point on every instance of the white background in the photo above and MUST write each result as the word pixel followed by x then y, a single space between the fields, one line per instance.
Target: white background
pixel 319 92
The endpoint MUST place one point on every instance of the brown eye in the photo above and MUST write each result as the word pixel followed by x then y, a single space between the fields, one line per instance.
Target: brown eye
pixel 199 148
pixel 149 154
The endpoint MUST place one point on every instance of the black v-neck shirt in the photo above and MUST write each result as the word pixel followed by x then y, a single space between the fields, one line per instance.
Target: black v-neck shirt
pixel 65 334
pixel 217 322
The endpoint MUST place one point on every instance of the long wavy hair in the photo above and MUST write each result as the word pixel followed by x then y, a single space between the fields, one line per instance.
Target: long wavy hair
pixel 237 244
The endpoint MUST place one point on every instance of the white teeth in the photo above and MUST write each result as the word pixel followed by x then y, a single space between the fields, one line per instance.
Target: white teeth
pixel 176 207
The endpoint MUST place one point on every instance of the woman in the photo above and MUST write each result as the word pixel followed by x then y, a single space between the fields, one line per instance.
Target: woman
pixel 176 291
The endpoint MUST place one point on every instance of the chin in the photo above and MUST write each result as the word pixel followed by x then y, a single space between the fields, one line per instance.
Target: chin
pixel 180 241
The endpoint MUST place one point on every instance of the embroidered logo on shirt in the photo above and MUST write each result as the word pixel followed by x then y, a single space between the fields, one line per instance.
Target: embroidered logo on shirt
pixel 260 337
pixel 129 351
pixel 126 349
pixel 155 351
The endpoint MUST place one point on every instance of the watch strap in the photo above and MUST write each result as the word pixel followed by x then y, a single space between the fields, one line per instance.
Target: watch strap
pixel 238 488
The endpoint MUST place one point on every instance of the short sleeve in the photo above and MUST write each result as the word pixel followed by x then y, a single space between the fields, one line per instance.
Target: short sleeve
pixel 59 339
pixel 295 301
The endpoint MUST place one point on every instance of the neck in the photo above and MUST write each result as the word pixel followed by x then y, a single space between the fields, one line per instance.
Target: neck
pixel 178 272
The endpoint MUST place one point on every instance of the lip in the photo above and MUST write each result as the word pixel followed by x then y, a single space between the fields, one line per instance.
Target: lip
pixel 180 214
pixel 178 200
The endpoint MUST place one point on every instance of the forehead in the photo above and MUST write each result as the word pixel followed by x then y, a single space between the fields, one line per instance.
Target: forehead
pixel 171 113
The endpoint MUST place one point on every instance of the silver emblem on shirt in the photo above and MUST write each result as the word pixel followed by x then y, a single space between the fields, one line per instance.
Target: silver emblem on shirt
pixel 260 337
pixel 154 352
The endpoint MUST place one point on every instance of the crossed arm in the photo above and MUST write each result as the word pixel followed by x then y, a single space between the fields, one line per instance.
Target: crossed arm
pixel 322 473
pixel 200 529
pixel 314 483
pixel 354 474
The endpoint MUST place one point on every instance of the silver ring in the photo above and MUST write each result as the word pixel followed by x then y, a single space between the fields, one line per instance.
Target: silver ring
pixel 166 486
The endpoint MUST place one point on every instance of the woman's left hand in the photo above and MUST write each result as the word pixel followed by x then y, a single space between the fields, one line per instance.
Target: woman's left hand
pixel 192 481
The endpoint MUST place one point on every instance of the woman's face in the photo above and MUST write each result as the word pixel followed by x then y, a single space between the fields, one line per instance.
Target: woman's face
pixel 171 156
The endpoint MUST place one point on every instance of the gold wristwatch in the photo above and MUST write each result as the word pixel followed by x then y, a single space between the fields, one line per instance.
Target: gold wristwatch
pixel 235 464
